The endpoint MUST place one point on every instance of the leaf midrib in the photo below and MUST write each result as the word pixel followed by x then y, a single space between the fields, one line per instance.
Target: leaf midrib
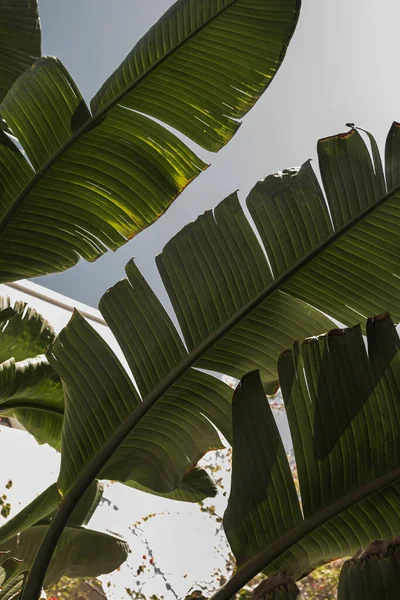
pixel 296 534
pixel 92 122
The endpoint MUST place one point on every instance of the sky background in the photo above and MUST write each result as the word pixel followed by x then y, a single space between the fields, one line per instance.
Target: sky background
pixel 342 65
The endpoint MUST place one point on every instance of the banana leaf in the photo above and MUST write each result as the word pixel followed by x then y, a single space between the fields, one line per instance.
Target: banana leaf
pixel 342 402
pixel 82 552
pixel 96 177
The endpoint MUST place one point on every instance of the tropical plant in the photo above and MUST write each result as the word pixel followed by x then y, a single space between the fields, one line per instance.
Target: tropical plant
pixel 237 309
pixel 96 177
pixel 20 40
pixel 236 313
pixel 86 181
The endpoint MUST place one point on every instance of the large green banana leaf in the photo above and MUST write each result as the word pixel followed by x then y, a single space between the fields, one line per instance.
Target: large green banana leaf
pixel 20 40
pixel 237 311
pixel 80 552
pixel 242 320
pixel 96 179
pixel 169 441
pixel 343 408
pixel 83 553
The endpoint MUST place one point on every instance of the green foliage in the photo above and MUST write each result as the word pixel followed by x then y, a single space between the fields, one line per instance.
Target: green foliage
pixel 81 552
pixel 95 178
pixel 98 176
pixel 219 320
pixel 20 40
pixel 333 390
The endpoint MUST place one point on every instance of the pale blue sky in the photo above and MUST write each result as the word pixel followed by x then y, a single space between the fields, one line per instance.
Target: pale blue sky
pixel 342 65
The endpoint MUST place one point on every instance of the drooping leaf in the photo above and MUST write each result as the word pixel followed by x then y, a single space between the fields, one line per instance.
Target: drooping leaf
pixel 195 486
pixel 12 588
pixel 80 552
pixel 98 180
pixel 42 509
pixel 263 503
pixel 30 391
pixel 343 410
pixel 20 40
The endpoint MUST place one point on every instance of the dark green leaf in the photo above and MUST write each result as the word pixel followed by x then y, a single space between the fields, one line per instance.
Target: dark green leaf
pixel 42 129
pixel 263 497
pixel 20 40
pixel 194 487
pixel 212 269
pixel 234 315
pixel 86 507
pixel 31 392
pixel 343 411
pixel 203 65
pixel 80 552
pixel 40 508
pixel 168 442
